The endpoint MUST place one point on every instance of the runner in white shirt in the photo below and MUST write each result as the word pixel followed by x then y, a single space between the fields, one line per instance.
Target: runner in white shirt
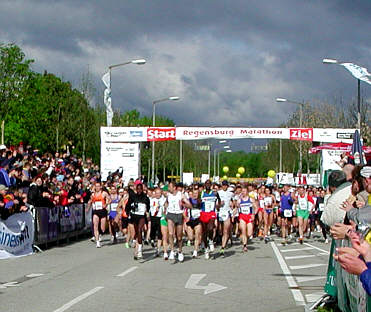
pixel 224 214
pixel 157 206
pixel 176 201
pixel 269 202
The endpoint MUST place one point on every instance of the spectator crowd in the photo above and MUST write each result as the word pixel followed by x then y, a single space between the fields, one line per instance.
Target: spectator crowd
pixel 44 180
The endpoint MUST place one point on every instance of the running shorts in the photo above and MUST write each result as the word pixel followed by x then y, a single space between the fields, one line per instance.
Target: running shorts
pixel 206 217
pixel 102 213
pixel 124 222
pixel 302 214
pixel 268 211
pixel 112 215
pixel 260 210
pixel 223 216
pixel 136 218
pixel 193 223
pixel 163 221
pixel 245 217
pixel 177 218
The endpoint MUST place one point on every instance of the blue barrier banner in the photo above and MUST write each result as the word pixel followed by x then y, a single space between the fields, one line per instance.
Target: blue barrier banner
pixel 16 235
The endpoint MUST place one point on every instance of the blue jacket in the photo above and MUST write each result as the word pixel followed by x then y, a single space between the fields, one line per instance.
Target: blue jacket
pixel 366 278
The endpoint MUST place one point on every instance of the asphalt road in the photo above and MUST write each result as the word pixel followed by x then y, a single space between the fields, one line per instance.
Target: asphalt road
pixel 80 277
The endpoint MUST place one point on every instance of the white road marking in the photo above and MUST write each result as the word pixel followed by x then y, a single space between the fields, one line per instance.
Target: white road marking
pixel 298 296
pixel 127 271
pixel 314 297
pixel 299 257
pixel 307 266
pixel 194 279
pixel 302 279
pixel 78 299
pixel 32 275
pixel 9 284
pixel 296 249
pixel 325 251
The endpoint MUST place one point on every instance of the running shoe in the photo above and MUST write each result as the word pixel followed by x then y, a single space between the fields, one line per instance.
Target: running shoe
pixel 301 241
pixel 221 252
pixel 93 239
pixel 157 253
pixel 166 256
pixel 245 248
pixel 194 255
pixel 146 242
pixel 98 244
pixel 172 255
pixel 189 243
pixel 211 245
pixel 127 245
pixel 152 243
pixel 100 237
pixel 266 240
pixel 207 253
pixel 326 241
pixel 180 257
pixel 140 254
pixel 133 243
pixel 284 242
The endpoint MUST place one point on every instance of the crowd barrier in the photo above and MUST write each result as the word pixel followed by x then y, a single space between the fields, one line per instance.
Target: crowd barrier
pixel 61 222
pixel 346 288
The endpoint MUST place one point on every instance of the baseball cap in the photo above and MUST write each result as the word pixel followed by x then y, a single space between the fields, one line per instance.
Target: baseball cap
pixel 225 182
pixel 366 172
pixel 2 147
pixel 3 187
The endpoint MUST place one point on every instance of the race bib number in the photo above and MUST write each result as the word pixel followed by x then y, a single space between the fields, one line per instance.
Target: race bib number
pixel 321 207
pixel 268 201
pixel 303 205
pixel 141 209
pixel 209 206
pixel 114 206
pixel 223 214
pixel 261 203
pixel 98 205
pixel 246 208
pixel 195 213
pixel 287 213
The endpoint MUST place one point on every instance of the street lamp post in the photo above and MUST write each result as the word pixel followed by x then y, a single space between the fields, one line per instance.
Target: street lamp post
pixel 107 92
pixel 334 61
pixel 300 126
pixel 170 98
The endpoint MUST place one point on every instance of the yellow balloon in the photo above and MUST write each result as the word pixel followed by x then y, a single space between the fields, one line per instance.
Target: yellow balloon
pixel 241 170
pixel 271 173
pixel 238 175
pixel 225 178
pixel 225 169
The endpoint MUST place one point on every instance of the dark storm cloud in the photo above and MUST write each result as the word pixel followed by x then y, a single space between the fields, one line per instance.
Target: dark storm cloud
pixel 228 60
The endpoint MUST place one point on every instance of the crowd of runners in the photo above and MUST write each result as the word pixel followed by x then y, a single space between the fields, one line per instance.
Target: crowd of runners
pixel 204 215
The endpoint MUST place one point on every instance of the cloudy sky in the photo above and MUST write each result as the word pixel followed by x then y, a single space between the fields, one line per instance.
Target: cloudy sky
pixel 227 60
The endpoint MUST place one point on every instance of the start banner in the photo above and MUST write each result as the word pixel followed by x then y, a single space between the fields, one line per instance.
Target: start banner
pixel 148 134
pixel 16 235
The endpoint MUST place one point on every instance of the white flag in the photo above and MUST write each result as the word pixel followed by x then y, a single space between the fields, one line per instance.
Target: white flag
pixel 359 72
pixel 106 80
pixel 108 103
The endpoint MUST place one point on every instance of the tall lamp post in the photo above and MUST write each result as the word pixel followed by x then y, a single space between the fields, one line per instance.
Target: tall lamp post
pixel 300 126
pixel 170 98
pixel 334 61
pixel 107 80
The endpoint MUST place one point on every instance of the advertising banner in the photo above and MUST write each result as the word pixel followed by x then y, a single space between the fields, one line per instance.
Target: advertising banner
pixel 16 235
pixel 121 156
pixel 148 134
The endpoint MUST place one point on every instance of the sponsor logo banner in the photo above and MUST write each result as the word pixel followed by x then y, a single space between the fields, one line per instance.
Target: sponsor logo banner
pixel 148 134
pixel 16 235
